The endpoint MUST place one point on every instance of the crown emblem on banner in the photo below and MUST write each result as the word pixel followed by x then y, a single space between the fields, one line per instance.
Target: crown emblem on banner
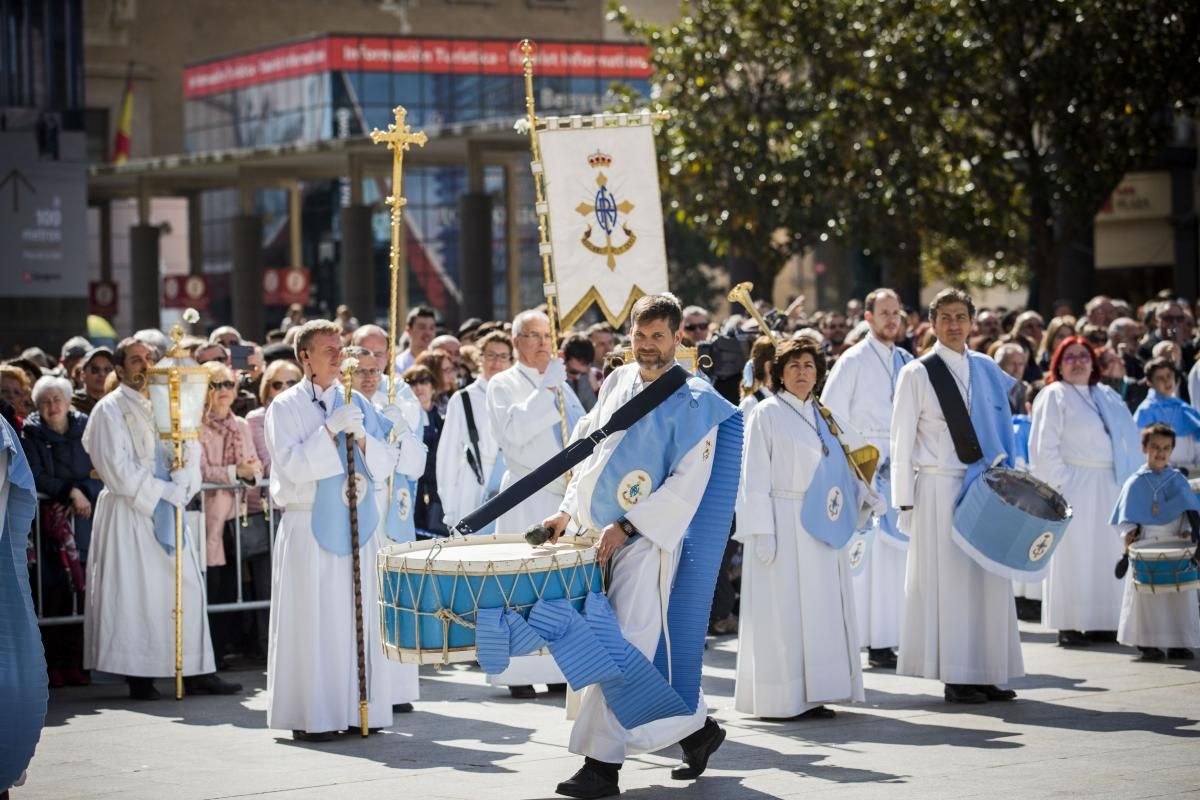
pixel 598 159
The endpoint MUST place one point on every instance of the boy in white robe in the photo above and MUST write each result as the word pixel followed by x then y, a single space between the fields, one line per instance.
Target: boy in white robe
pixel 1157 504
pixel 959 624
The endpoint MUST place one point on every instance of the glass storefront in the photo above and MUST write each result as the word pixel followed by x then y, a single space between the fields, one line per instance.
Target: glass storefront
pixel 335 86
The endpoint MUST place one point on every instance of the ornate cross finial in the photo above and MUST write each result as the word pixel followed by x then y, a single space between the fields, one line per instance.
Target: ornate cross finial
pixel 399 137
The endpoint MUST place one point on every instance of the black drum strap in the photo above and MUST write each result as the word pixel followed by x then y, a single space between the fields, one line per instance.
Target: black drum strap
pixel 958 419
pixel 474 457
pixel 623 418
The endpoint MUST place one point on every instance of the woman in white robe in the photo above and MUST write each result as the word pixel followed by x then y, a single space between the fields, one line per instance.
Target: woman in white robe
pixel 1070 449
pixel 798 639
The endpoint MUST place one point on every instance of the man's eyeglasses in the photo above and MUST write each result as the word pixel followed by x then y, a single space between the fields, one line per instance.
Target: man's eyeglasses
pixel 696 326
pixel 217 386
pixel 278 385
pixel 536 337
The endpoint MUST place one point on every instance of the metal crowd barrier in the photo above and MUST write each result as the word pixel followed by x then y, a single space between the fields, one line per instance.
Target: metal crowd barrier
pixel 195 520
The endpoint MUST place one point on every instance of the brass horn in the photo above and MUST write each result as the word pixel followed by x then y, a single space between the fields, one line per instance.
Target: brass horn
pixel 741 294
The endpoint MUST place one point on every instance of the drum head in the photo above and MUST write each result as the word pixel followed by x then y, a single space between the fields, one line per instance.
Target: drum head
pixel 497 552
pixel 1025 492
pixel 1163 549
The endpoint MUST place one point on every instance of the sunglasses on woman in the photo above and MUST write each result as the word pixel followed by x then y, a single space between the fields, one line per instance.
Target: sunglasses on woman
pixel 277 385
pixel 217 386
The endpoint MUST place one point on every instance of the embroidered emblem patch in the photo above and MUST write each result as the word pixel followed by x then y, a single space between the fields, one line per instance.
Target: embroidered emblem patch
pixel 1041 546
pixel 632 488
pixel 833 504
pixel 403 502
pixel 360 489
pixel 858 551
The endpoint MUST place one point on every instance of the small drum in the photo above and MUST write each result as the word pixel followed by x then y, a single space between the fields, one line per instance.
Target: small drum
pixel 1164 565
pixel 430 591
pixel 1010 523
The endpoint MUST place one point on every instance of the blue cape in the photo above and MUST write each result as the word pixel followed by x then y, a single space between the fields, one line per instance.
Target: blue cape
pixel 589 648
pixel 1138 499
pixel 23 693
pixel 1182 418
pixel 331 513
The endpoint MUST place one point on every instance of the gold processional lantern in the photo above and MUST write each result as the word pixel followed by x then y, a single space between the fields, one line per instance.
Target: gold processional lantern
pixel 178 388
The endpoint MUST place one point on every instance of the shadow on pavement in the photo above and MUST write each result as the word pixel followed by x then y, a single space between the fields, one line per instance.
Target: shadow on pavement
pixel 850 728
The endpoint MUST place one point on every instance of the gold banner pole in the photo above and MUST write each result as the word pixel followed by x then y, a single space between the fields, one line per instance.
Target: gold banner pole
pixel 178 464
pixel 550 288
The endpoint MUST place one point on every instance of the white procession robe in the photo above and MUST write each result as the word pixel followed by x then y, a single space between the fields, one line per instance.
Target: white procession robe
pixel 405 678
pixel 959 623
pixel 312 667
pixel 797 635
pixel 1070 450
pixel 129 622
pixel 642 572
pixel 860 389
pixel 1158 619
pixel 460 491
pixel 525 418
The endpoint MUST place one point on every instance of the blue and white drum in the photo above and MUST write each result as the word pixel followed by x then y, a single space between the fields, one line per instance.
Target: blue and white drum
pixel 430 592
pixel 1164 565
pixel 1010 523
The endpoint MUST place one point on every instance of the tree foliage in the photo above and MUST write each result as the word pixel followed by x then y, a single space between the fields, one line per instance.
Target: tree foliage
pixel 982 134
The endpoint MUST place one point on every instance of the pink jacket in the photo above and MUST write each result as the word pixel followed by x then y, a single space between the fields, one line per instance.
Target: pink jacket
pixel 220 504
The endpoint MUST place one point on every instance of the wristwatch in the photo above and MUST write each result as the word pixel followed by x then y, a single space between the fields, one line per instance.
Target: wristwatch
pixel 904 508
pixel 627 526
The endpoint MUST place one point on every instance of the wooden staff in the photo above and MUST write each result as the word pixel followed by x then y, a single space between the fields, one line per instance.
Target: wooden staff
pixel 356 566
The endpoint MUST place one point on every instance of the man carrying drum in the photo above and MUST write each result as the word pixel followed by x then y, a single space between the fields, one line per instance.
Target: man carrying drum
pixel 658 486
pixel 951 420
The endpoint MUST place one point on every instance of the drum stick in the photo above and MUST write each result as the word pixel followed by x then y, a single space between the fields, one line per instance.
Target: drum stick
pixel 356 566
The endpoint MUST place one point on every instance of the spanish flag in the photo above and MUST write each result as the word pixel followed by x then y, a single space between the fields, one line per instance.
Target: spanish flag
pixel 125 126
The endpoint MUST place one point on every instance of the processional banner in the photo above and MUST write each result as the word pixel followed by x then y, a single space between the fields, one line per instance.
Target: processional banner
pixel 605 212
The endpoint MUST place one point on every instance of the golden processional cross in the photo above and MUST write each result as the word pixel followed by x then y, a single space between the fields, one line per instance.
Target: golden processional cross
pixel 399 137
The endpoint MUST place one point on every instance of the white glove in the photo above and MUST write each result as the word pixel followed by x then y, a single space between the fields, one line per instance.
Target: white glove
pixel 399 416
pixel 764 547
pixel 346 419
pixel 554 375
pixel 174 494
pixel 904 521
pixel 181 476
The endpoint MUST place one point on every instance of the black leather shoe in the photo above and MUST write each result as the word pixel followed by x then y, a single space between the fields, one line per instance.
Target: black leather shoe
pixel 209 684
pixel 881 657
pixel 1072 639
pixel 556 688
pixel 594 779
pixel 1151 654
pixel 402 708
pixel 964 693
pixel 996 693
pixel 698 748
pixel 315 736
pixel 1029 610
pixel 1181 653
pixel 1101 636
pixel 820 712
pixel 142 689
pixel 522 692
